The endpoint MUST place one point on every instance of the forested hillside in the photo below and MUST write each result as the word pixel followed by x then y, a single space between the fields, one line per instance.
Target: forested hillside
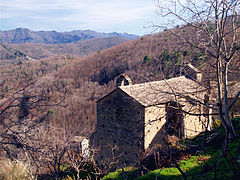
pixel 45 103
pixel 50 83
pixel 84 81
pixel 37 51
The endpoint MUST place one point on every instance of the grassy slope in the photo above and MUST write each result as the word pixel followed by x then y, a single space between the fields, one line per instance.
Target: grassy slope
pixel 199 166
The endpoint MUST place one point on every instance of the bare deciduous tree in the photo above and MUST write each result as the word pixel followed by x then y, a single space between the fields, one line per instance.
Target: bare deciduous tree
pixel 216 23
pixel 22 126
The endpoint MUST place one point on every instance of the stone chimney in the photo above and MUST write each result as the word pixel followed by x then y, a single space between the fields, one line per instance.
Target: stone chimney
pixel 199 77
pixel 193 72
pixel 123 80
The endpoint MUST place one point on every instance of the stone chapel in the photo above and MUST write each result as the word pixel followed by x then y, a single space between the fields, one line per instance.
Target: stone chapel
pixel 134 117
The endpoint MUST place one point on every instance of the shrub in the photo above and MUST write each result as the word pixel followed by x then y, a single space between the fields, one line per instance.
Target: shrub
pixel 6 88
pixel 146 59
pixel 14 170
pixel 50 112
pixel 216 123
pixel 57 67
pixel 185 53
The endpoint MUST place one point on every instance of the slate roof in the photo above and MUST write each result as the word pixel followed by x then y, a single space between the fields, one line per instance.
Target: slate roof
pixel 233 89
pixel 159 92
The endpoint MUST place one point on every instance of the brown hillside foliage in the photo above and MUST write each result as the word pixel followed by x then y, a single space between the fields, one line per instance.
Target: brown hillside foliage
pixel 16 74
pixel 84 81
pixel 38 51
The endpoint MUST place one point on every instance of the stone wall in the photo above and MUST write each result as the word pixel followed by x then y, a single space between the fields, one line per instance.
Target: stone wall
pixel 156 122
pixel 155 118
pixel 120 125
pixel 193 124
pixel 126 126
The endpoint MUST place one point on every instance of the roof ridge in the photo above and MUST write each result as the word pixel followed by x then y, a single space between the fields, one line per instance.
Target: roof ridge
pixel 153 82
pixel 156 92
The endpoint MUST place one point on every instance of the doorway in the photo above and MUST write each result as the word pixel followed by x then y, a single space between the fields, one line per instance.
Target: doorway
pixel 174 119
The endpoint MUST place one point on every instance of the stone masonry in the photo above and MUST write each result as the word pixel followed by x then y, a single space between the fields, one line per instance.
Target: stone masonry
pixel 133 118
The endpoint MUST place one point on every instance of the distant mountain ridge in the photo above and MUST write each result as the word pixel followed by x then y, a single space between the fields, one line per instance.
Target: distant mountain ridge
pixel 23 35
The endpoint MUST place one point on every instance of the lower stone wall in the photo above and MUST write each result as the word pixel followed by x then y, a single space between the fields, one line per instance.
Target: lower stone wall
pixel 155 118
pixel 194 124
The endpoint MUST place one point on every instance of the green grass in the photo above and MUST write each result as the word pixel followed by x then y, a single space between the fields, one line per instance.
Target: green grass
pixel 191 166
pixel 130 172
pixel 225 169
pixel 200 166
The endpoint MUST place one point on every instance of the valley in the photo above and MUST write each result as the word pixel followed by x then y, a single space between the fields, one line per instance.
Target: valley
pixel 58 85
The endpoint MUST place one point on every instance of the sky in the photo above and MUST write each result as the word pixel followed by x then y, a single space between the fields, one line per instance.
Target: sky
pixel 131 16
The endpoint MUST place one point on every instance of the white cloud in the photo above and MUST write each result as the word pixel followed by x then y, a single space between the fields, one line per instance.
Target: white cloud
pixel 92 13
